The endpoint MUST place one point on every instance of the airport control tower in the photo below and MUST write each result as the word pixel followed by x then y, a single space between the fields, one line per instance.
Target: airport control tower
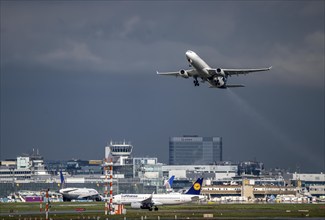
pixel 118 151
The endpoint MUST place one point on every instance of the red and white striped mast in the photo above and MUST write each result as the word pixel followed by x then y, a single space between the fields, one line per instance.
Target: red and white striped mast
pixel 110 181
pixel 111 188
pixel 106 184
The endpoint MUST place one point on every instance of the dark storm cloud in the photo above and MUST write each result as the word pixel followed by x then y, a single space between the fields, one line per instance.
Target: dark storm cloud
pixel 98 37
pixel 76 74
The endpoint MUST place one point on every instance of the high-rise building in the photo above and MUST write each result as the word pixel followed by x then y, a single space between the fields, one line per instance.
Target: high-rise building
pixel 190 150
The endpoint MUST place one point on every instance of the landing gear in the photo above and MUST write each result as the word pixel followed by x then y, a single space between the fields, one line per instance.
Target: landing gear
pixel 151 208
pixel 196 82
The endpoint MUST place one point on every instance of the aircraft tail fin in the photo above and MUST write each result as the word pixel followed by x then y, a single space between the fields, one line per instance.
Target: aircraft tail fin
pixel 196 187
pixel 62 179
pixel 169 183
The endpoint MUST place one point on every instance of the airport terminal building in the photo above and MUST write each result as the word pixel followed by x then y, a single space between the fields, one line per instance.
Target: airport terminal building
pixel 195 150
pixel 191 157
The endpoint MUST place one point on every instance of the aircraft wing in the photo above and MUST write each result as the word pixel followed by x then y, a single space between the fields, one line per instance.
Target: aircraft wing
pixel 231 72
pixel 147 201
pixel 86 195
pixel 190 73
pixel 68 190
pixel 168 73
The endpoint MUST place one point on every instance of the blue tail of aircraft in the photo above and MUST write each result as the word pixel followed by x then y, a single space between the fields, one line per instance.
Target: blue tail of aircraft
pixel 170 181
pixel 62 179
pixel 196 187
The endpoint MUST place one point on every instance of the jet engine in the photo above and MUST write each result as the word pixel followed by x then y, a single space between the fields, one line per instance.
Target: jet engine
pixel 136 205
pixel 219 81
pixel 220 71
pixel 183 73
pixel 139 205
pixel 97 198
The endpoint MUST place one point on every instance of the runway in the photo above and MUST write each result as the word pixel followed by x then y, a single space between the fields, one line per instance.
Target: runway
pixel 191 211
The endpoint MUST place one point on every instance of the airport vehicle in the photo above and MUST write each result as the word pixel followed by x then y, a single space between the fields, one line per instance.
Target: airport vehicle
pixel 151 201
pixel 216 77
pixel 73 193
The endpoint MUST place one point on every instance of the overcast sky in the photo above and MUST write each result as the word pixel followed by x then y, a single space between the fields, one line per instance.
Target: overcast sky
pixel 77 74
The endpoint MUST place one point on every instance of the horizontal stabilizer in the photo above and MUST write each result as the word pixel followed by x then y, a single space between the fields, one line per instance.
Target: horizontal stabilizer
pixel 234 86
pixel 227 86
pixel 195 198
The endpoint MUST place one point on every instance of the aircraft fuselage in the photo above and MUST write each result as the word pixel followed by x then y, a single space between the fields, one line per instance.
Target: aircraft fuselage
pixel 198 63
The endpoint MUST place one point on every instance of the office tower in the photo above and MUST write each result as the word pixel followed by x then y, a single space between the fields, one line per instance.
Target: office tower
pixel 191 150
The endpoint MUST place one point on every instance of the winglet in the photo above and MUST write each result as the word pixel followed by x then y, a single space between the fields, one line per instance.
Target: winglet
pixel 270 67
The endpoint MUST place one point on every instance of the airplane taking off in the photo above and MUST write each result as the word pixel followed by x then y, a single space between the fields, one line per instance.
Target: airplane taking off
pixel 217 78
pixel 148 201
pixel 69 194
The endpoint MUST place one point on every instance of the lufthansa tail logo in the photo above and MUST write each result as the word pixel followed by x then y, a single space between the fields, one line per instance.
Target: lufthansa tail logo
pixel 197 186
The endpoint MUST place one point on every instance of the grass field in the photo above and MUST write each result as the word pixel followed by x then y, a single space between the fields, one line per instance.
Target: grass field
pixel 95 210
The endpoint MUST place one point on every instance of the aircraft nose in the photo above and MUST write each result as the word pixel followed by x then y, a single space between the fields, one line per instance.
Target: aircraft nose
pixel 188 55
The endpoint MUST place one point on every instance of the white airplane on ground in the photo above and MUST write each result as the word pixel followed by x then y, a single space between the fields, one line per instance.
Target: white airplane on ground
pixel 73 193
pixel 217 78
pixel 148 201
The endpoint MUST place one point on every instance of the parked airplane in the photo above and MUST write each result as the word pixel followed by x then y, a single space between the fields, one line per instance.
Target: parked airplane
pixel 216 77
pixel 69 194
pixel 150 201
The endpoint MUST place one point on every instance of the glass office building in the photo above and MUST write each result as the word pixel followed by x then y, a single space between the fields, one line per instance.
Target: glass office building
pixel 195 150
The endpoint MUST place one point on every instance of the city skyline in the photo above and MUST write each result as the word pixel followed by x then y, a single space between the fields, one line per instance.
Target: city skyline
pixel 74 80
